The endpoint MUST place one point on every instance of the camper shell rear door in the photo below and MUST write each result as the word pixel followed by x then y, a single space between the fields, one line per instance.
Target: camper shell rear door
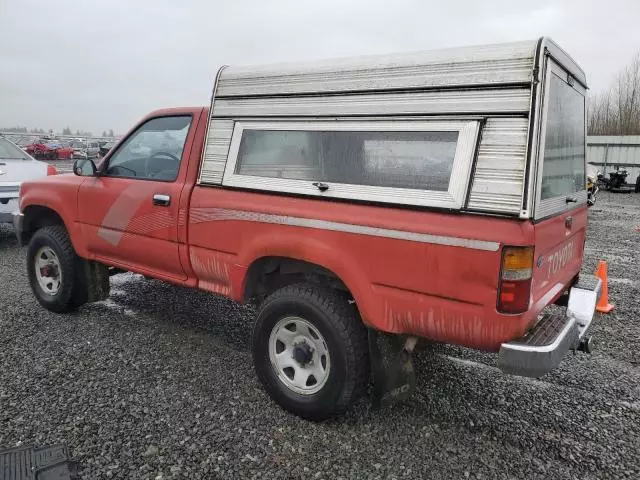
pixel 560 216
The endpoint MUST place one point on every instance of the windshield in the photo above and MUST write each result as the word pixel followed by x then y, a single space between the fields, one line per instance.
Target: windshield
pixel 8 151
pixel 148 142
pixel 78 145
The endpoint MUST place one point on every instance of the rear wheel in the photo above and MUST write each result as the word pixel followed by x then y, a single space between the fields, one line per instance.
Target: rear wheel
pixel 310 351
pixel 52 268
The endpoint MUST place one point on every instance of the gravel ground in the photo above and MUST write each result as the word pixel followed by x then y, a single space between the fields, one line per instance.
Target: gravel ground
pixel 157 383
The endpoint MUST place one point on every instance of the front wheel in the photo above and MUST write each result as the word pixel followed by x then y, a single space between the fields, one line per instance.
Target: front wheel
pixel 310 351
pixel 52 266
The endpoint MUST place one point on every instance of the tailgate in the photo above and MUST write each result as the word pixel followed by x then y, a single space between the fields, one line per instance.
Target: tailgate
pixel 559 248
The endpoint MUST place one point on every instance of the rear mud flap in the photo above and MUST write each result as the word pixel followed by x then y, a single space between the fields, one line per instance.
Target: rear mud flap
pixel 394 378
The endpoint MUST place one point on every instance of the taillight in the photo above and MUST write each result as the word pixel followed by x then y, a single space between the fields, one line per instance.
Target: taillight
pixel 51 170
pixel 515 279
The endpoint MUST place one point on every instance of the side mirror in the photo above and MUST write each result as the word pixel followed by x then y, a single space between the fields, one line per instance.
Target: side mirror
pixel 84 167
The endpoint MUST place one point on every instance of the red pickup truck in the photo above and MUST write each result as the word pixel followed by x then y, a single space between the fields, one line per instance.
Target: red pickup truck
pixel 436 195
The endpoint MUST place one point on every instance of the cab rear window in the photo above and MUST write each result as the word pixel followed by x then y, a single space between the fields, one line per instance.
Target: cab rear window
pixel 564 150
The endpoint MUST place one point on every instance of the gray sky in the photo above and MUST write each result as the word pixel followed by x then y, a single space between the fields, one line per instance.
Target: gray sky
pixel 95 65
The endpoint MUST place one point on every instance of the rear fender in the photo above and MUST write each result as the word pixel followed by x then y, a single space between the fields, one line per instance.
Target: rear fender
pixel 312 250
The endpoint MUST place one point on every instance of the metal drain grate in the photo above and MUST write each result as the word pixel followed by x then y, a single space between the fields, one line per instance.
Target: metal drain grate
pixel 29 463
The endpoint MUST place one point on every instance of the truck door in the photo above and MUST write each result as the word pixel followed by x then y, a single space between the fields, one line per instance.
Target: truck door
pixel 561 197
pixel 129 213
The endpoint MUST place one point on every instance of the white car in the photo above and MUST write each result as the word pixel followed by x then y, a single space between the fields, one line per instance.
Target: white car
pixel 84 149
pixel 16 166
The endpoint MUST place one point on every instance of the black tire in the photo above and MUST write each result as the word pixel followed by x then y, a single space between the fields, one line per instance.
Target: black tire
pixel 346 337
pixel 70 294
pixel 637 189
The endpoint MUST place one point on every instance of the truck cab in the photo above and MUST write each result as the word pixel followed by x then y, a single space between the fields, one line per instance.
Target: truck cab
pixel 435 195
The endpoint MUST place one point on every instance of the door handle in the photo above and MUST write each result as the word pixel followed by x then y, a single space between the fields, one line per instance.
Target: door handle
pixel 323 187
pixel 161 199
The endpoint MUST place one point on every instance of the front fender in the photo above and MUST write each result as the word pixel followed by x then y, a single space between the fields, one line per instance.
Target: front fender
pixel 58 194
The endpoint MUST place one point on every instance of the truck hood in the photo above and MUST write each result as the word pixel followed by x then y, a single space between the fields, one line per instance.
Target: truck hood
pixel 53 180
pixel 44 186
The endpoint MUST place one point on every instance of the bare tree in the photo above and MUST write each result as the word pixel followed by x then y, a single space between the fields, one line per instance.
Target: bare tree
pixel 602 119
pixel 616 111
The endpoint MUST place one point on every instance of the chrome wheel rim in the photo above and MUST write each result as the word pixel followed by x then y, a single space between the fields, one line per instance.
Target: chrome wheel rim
pixel 299 355
pixel 47 270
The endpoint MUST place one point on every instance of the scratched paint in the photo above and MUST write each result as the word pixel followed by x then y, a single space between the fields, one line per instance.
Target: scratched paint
pixel 448 325
pixel 212 273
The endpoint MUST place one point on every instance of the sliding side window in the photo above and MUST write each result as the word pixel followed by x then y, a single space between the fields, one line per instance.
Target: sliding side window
pixel 419 163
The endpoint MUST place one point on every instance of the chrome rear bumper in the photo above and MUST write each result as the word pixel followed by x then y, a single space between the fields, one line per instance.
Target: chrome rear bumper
pixel 542 349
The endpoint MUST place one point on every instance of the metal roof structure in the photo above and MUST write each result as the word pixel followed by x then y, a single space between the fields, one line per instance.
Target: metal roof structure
pixel 608 152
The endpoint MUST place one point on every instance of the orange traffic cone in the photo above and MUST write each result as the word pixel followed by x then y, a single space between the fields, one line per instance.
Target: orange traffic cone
pixel 603 304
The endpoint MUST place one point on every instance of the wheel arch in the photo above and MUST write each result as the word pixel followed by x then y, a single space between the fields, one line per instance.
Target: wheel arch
pixel 304 258
pixel 36 217
pixel 269 273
